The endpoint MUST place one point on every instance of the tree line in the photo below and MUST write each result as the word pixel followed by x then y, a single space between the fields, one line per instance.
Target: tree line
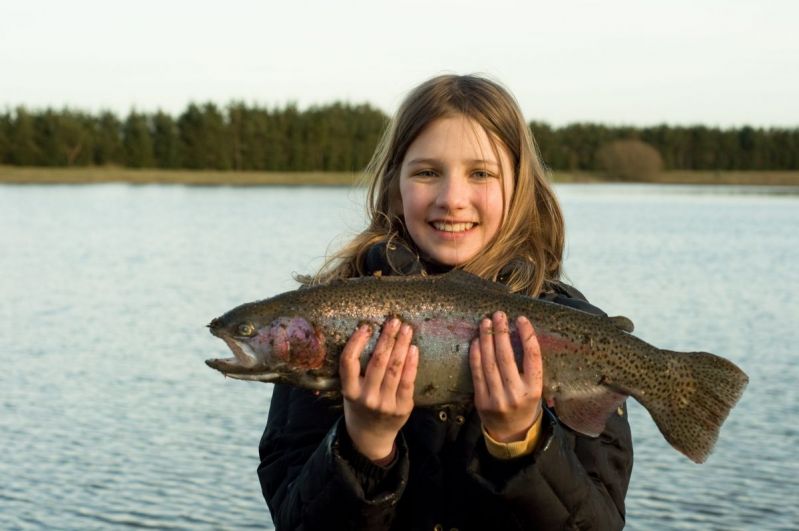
pixel 340 137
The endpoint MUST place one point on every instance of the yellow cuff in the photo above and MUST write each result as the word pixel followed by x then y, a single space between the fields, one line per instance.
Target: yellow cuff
pixel 515 448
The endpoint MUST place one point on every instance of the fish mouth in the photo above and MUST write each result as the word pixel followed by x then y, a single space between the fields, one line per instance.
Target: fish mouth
pixel 244 360
pixel 232 368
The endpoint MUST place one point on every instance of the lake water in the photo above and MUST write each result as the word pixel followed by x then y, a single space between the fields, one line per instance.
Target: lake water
pixel 109 417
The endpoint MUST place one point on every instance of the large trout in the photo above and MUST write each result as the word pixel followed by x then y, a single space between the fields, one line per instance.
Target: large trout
pixel 591 363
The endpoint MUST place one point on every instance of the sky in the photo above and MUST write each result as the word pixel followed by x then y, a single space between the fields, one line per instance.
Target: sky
pixel 721 63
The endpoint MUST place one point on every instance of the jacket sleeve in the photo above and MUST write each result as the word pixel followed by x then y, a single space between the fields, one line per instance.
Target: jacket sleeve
pixel 312 478
pixel 570 481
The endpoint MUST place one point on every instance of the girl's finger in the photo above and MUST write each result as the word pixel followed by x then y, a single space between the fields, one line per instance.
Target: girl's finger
pixel 478 379
pixel 376 367
pixel 349 368
pixel 397 360
pixel 506 360
pixel 408 379
pixel 533 366
pixel 488 360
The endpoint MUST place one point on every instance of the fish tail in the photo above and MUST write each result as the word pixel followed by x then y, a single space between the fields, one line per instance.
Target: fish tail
pixel 690 402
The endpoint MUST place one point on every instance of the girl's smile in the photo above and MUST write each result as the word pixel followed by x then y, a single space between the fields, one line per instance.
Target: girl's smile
pixel 455 186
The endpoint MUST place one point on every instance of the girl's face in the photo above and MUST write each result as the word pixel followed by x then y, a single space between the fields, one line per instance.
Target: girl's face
pixel 451 188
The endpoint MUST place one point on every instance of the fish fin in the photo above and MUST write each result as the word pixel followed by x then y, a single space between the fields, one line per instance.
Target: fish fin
pixel 701 390
pixel 622 323
pixel 587 412
pixel 468 279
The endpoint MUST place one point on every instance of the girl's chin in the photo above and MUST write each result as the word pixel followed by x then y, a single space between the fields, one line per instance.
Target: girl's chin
pixel 449 248
pixel 451 257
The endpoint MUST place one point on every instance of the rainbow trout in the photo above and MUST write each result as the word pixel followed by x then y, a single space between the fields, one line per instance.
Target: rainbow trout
pixel 591 363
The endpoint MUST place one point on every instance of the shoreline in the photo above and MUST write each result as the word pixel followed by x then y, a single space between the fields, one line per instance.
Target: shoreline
pixel 96 175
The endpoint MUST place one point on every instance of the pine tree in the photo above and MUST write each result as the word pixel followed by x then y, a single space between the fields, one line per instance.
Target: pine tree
pixel 5 143
pixel 204 138
pixel 166 141
pixel 23 148
pixel 107 143
pixel 137 141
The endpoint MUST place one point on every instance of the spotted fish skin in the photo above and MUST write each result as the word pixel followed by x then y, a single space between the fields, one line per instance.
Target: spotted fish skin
pixel 591 363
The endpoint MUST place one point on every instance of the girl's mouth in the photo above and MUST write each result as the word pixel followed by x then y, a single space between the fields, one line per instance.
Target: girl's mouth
pixel 454 227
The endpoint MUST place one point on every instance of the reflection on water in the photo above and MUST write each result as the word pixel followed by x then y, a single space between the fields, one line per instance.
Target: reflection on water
pixel 110 418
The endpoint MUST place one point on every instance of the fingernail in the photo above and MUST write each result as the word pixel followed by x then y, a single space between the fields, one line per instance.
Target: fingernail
pixel 523 319
pixel 405 329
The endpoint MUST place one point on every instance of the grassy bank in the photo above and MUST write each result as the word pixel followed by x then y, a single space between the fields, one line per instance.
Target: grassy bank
pixel 30 175
pixel 745 178
pixel 90 175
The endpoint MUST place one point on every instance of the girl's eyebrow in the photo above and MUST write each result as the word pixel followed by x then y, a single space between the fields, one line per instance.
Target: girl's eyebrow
pixel 437 162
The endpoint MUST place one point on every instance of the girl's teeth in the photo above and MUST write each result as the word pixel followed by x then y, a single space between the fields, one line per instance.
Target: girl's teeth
pixel 452 227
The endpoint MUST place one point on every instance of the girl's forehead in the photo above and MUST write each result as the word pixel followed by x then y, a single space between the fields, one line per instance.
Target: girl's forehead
pixel 455 136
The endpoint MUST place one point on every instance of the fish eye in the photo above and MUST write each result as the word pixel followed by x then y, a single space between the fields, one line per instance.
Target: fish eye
pixel 246 329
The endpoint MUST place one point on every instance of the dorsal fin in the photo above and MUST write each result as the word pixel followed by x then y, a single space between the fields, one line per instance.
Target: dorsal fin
pixel 622 323
pixel 469 279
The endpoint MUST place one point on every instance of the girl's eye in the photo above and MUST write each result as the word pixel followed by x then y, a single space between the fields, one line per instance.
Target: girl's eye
pixel 482 174
pixel 425 173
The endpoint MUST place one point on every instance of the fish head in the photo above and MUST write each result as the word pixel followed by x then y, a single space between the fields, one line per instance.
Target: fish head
pixel 269 346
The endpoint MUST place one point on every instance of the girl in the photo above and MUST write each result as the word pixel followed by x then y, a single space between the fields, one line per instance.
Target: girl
pixel 455 183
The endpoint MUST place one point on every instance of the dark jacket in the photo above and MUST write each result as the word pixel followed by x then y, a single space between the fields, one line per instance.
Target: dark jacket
pixel 312 477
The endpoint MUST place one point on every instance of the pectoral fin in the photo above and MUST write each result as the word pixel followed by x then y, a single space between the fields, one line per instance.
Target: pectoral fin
pixel 587 411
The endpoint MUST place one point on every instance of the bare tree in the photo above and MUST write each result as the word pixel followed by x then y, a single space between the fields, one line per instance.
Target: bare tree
pixel 629 160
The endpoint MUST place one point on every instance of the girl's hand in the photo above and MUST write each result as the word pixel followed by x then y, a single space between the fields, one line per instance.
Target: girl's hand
pixel 379 403
pixel 508 402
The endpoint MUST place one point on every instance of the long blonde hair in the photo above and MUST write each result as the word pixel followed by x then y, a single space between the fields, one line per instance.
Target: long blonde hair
pixel 532 233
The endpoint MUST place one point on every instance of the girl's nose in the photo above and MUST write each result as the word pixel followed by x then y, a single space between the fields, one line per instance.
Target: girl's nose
pixel 453 193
